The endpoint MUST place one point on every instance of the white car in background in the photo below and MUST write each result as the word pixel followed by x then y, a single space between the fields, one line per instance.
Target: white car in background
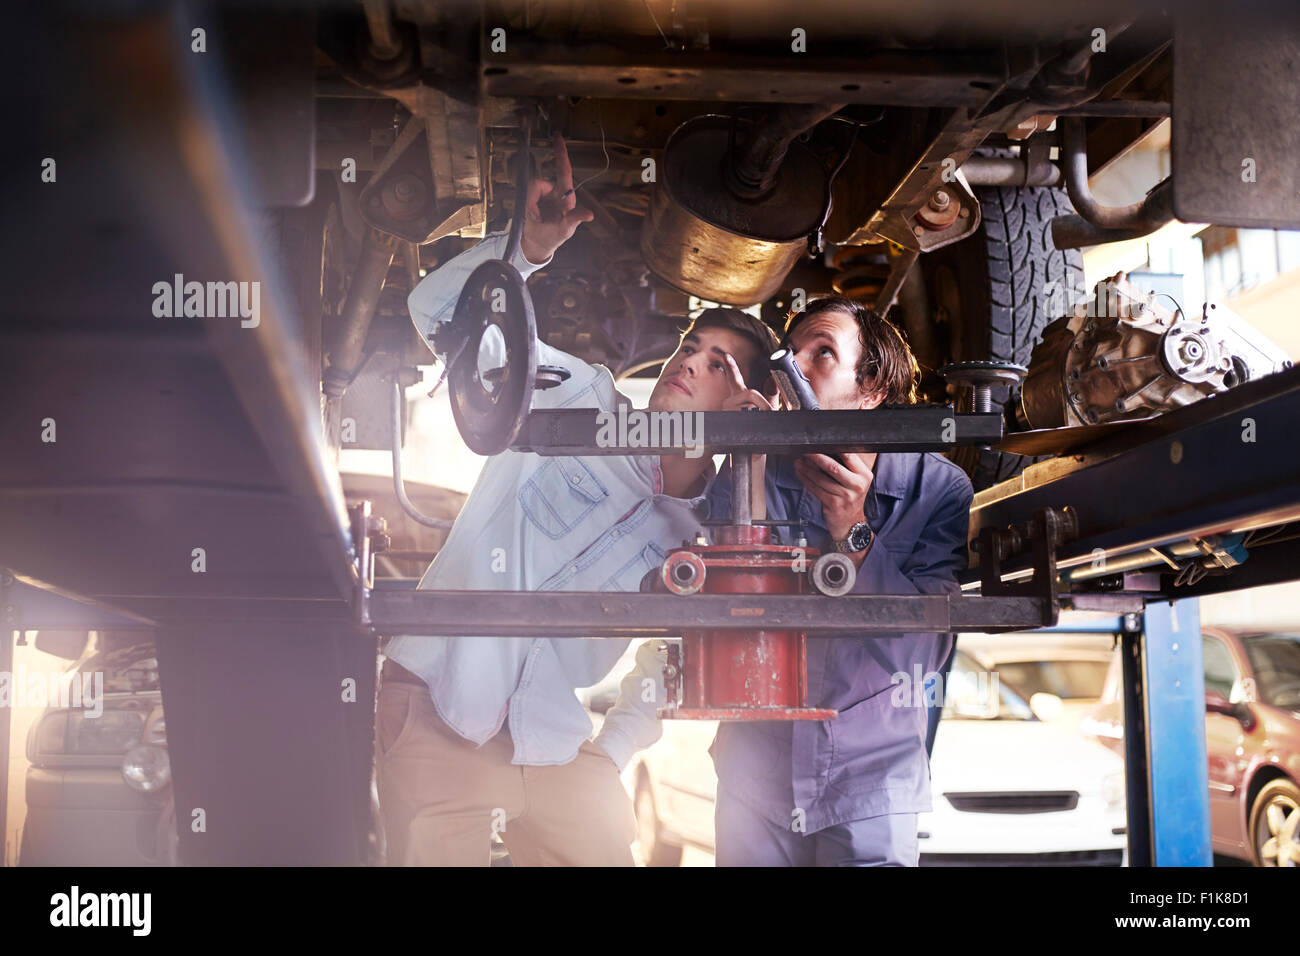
pixel 1070 665
pixel 1013 782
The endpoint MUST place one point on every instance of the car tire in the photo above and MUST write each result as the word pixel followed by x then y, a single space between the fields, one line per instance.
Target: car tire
pixel 996 291
pixel 653 850
pixel 1275 820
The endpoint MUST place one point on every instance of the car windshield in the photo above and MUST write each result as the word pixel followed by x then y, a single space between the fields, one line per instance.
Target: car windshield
pixel 1275 659
pixel 1069 680
pixel 974 693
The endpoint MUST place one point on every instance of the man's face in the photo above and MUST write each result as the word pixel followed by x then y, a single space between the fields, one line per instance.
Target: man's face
pixel 827 348
pixel 696 378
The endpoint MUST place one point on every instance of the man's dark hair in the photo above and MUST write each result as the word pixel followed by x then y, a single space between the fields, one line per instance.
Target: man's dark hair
pixel 755 331
pixel 886 364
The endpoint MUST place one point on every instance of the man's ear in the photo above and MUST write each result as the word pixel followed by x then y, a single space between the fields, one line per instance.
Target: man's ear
pixel 871 399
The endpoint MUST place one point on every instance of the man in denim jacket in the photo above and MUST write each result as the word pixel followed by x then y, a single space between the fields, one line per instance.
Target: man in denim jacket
pixel 483 735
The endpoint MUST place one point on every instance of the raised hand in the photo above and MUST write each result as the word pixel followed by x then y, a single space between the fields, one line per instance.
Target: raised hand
pixel 552 214
pixel 842 489
pixel 743 397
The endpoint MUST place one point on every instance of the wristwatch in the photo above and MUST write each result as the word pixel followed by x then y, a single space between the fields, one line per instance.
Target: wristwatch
pixel 858 539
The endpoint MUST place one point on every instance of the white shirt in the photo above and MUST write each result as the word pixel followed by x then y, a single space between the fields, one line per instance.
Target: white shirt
pixel 541 523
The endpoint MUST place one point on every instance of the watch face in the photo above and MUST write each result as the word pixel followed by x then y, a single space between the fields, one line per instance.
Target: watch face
pixel 860 537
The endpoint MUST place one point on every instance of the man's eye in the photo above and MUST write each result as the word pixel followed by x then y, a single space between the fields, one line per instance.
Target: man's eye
pixel 716 365
pixel 825 350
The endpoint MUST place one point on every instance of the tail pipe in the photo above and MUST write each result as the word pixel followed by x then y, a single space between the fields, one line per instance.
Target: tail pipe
pixel 753 168
pixel 1096 223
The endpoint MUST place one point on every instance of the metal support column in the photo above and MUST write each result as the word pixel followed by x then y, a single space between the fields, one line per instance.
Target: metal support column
pixel 1164 737
pixel 7 636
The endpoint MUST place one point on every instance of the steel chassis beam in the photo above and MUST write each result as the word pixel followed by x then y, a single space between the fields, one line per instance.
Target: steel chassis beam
pixel 902 78
pixel 623 615
pixel 1225 464
pixel 575 431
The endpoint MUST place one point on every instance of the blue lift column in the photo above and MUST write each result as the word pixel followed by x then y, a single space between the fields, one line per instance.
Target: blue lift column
pixel 1164 736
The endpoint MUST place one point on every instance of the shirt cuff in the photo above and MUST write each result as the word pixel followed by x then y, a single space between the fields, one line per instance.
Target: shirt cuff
pixel 617 746
pixel 520 261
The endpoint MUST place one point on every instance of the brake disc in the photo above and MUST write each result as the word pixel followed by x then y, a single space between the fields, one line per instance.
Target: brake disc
pixel 491 383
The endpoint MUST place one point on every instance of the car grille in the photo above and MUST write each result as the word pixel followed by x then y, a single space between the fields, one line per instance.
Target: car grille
pixel 1025 801
pixel 1065 858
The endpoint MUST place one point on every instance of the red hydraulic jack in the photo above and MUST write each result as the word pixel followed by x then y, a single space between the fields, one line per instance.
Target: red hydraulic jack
pixel 746 674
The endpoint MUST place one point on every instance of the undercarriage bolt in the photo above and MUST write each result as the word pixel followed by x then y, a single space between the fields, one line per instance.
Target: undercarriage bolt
pixel 981 378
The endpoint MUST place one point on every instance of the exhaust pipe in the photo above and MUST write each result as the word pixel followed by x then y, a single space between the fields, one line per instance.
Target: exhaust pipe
pixel 1096 223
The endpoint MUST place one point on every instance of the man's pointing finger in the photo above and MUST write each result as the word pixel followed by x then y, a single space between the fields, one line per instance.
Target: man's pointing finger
pixel 564 174
pixel 737 379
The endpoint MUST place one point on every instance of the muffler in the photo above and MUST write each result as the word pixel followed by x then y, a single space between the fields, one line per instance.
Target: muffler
pixel 702 238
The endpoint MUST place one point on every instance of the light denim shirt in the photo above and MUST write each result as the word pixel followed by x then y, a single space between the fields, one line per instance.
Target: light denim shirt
pixel 535 523
pixel 871 759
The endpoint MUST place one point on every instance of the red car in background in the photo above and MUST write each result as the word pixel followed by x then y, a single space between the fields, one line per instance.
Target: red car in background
pixel 1252 735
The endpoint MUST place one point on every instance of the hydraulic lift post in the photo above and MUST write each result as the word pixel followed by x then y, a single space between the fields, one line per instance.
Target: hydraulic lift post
pixel 1166 768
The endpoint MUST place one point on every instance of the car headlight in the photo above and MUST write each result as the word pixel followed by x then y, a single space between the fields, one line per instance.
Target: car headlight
pixel 1112 789
pixel 146 768
pixel 76 732
pixel 50 735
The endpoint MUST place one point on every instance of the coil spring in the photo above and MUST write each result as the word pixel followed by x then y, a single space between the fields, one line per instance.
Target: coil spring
pixel 860 271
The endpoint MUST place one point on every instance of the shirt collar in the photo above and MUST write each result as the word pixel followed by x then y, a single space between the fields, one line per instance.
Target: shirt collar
pixel 657 478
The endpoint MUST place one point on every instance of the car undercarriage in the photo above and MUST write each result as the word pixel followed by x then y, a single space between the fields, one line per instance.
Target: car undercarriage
pixel 932 162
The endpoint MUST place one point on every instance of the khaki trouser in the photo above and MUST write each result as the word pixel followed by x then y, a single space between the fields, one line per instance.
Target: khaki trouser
pixel 442 797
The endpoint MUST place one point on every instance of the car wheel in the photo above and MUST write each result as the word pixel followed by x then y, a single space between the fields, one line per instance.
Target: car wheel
pixel 995 291
pixel 651 848
pixel 1275 825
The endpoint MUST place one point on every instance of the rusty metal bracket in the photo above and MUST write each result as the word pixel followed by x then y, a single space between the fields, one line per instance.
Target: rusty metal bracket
pixel 1046 531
